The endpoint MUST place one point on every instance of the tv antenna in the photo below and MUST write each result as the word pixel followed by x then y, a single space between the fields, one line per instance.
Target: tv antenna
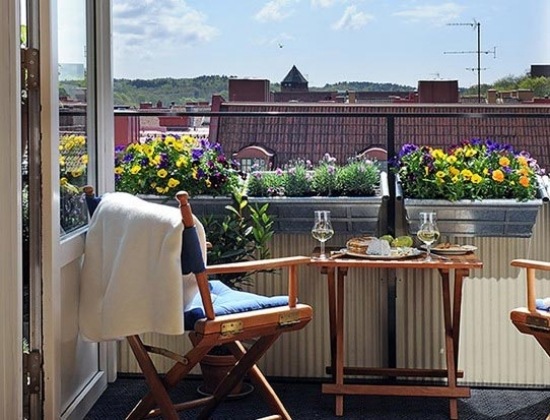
pixel 476 26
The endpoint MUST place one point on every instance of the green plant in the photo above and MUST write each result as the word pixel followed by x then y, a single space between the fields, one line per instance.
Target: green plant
pixel 164 165
pixel 475 169
pixel 358 177
pixel 242 234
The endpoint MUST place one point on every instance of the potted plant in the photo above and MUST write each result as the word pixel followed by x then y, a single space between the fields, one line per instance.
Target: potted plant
pixel 354 192
pixel 242 234
pixel 478 188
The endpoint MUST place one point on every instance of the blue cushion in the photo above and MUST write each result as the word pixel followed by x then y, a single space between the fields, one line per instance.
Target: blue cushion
pixel 229 301
pixel 543 304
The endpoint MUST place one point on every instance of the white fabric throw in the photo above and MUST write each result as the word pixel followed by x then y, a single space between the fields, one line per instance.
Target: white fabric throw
pixel 131 280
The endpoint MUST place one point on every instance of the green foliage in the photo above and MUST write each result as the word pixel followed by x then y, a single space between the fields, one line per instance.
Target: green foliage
pixel 242 235
pixel 167 90
pixel 473 170
pixel 366 87
pixel 300 179
pixel 357 178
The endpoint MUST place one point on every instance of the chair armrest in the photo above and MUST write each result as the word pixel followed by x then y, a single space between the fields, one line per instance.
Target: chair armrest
pixel 291 263
pixel 531 266
pixel 537 265
pixel 241 266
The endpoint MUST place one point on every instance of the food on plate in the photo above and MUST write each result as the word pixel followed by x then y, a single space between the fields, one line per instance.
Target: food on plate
pixel 379 247
pixel 359 244
pixel 388 238
pixel 402 241
pixel 447 245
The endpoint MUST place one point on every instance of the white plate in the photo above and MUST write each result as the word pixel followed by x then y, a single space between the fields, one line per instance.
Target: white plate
pixel 406 252
pixel 454 250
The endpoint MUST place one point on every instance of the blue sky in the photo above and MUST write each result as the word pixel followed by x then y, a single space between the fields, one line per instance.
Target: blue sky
pixel 399 41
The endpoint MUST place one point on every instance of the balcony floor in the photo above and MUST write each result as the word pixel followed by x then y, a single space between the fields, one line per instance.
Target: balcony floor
pixel 304 400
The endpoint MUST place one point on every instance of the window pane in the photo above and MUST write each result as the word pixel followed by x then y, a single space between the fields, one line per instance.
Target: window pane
pixel 73 120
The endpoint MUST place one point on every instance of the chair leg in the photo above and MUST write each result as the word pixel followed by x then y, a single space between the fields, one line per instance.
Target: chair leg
pixel 544 342
pixel 244 364
pixel 261 383
pixel 157 388
pixel 172 377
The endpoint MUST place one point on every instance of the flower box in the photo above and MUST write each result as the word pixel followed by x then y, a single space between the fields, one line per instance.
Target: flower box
pixel 498 218
pixel 477 188
pixel 351 215
pixel 478 218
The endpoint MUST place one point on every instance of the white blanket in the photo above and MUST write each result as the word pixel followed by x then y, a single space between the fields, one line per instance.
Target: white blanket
pixel 131 280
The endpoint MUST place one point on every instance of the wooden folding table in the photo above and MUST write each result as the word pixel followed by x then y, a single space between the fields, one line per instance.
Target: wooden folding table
pixel 336 270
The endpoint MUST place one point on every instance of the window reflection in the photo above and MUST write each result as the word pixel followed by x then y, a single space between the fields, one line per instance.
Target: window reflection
pixel 73 120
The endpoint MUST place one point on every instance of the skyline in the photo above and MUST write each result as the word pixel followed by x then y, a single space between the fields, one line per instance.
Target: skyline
pixel 329 41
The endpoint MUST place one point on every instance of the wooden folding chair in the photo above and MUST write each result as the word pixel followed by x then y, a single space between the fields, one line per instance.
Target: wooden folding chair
pixel 535 318
pixel 212 326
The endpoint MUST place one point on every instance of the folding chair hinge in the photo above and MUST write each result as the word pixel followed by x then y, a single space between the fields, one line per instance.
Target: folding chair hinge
pixel 289 318
pixel 232 328
pixel 538 323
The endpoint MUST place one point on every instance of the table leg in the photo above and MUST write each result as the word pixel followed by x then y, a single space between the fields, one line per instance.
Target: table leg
pixel 340 339
pixel 452 330
pixel 331 280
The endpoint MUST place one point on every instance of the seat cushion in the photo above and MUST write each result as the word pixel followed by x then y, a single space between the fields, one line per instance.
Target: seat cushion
pixel 543 304
pixel 229 301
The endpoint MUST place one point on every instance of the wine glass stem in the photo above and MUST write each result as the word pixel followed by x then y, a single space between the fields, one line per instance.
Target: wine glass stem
pixel 428 252
pixel 322 252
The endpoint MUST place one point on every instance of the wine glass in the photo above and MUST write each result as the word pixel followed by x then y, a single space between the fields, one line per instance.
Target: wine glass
pixel 428 231
pixel 322 230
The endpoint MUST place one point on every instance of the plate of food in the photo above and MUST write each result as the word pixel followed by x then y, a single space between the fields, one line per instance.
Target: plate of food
pixel 377 249
pixel 394 253
pixel 447 248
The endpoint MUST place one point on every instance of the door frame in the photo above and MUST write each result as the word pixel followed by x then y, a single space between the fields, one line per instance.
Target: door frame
pixel 56 251
pixel 11 283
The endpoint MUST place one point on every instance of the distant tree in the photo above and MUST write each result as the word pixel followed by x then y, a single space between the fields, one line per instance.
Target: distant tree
pixel 539 85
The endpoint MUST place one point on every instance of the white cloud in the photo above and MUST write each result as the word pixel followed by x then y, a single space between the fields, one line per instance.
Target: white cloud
pixel 442 13
pixel 144 26
pixel 275 10
pixel 352 19
pixel 323 3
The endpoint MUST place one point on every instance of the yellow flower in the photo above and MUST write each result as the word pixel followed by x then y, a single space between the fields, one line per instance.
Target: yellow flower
pixel 522 160
pixel 455 179
pixel 170 140
pixel 470 152
pixel 438 154
pixel 453 171
pixel 504 161
pixel 135 169
pixel 466 173
pixel 119 170
pixel 476 179
pixel 84 159
pixel 440 174
pixel 498 175
pixel 451 159
pixel 524 181
pixel 62 160
pixel 77 172
pixel 178 146
pixel 156 160
pixel 162 173
pixel 426 170
pixel 63 181
pixel 173 183
pixel 182 161
pixel 162 190
pixel 486 171
pixel 195 173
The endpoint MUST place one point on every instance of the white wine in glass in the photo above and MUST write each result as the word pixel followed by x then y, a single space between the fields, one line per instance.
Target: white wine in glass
pixel 322 230
pixel 428 231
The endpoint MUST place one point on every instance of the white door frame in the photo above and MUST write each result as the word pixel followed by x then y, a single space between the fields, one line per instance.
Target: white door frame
pixel 11 281
pixel 57 253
